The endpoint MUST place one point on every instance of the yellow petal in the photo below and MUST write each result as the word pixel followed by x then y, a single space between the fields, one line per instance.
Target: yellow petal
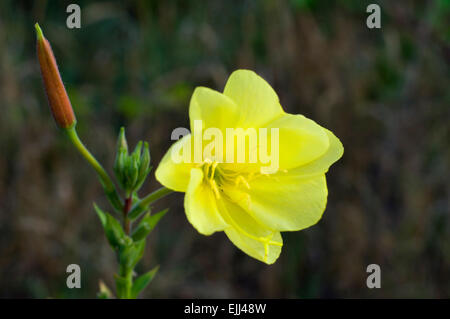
pixel 175 174
pixel 301 140
pixel 201 206
pixel 282 201
pixel 321 164
pixel 291 200
pixel 252 238
pixel 213 108
pixel 257 100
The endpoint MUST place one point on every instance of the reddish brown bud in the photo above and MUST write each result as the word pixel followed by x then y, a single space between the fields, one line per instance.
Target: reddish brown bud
pixel 54 87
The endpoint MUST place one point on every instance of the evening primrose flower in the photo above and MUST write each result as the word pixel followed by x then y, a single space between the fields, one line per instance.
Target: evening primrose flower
pixel 251 204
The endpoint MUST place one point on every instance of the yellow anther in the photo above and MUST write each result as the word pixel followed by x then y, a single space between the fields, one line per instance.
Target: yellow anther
pixel 209 168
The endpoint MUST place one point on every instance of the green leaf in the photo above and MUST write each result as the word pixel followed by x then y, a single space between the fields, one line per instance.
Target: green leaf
pixel 101 215
pixel 137 210
pixel 130 255
pixel 154 219
pixel 142 230
pixel 112 196
pixel 142 281
pixel 114 232
pixel 146 225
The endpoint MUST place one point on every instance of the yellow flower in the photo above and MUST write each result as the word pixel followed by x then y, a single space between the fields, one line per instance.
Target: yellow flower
pixel 251 206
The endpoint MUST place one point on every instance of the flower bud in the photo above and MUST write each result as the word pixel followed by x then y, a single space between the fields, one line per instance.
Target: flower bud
pixel 144 168
pixel 122 141
pixel 54 87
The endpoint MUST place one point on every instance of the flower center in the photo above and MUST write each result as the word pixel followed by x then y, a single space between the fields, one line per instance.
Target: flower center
pixel 217 176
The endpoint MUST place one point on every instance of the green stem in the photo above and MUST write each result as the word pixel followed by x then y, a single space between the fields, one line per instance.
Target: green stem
pixel 126 210
pixel 127 275
pixel 143 204
pixel 107 183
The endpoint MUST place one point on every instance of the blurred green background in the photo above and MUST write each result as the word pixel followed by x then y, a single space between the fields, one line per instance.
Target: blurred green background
pixel 384 92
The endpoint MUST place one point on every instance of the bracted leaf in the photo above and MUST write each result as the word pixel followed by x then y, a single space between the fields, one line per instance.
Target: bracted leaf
pixel 130 255
pixel 146 225
pixel 141 282
pixel 101 215
pixel 113 230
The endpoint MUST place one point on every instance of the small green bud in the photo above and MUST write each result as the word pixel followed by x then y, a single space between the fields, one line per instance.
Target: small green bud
pixel 119 165
pixel 122 140
pixel 132 169
pixel 131 173
pixel 121 158
pixel 137 151
pixel 145 159
pixel 144 168
pixel 104 291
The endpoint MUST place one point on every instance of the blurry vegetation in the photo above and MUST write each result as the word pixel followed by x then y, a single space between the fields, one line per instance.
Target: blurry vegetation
pixel 385 93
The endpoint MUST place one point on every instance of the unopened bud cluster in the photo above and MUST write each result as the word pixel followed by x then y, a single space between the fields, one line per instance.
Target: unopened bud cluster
pixel 132 169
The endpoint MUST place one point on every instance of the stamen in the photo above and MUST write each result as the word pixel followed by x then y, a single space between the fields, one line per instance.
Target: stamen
pixel 215 188
pixel 241 179
pixel 266 241
pixel 209 169
pixel 213 169
pixel 225 176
